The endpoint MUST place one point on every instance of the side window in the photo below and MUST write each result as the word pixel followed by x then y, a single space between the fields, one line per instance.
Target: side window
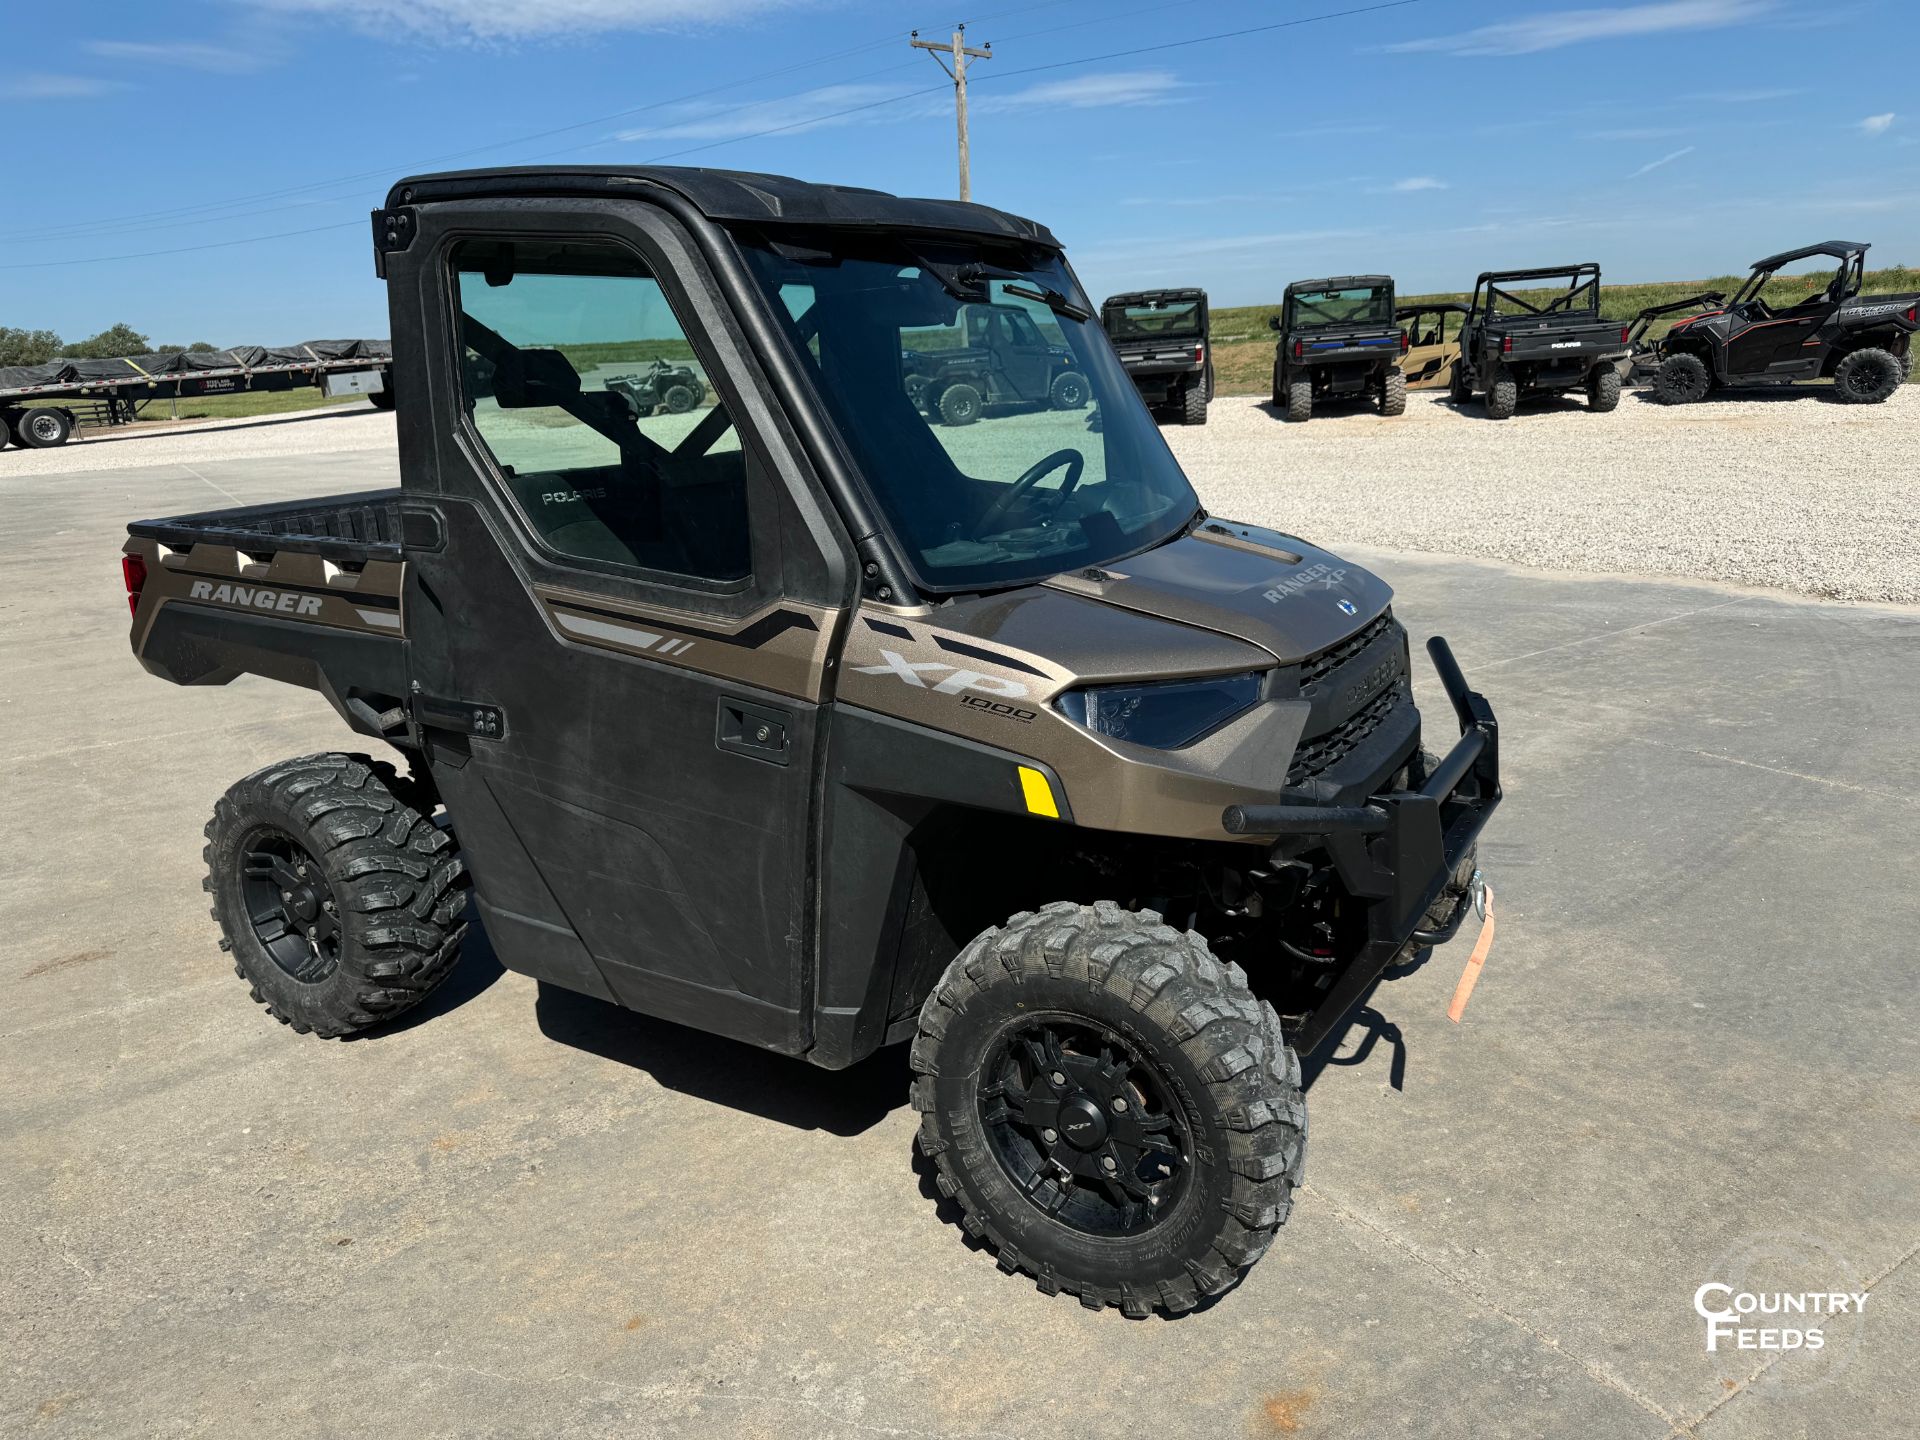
pixel 586 391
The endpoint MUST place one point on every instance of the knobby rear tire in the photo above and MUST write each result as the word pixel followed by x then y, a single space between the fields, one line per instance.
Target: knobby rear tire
pixel 396 881
pixel 1866 377
pixel 1393 394
pixel 1603 390
pixel 1188 1014
pixel 1299 400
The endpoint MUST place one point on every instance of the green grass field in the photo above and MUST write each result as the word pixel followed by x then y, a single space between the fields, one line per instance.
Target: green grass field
pixel 1243 346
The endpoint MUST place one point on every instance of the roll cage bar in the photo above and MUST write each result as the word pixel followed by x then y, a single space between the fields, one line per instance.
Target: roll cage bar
pixel 1848 276
pixel 1582 292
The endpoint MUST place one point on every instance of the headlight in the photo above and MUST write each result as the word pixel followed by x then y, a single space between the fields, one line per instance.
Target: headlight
pixel 1165 715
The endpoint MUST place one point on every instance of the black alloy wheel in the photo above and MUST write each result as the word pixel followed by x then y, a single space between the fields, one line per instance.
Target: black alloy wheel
pixel 293 910
pixel 1087 1128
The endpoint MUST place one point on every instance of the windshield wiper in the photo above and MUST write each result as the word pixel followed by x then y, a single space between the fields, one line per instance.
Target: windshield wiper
pixel 968 282
pixel 1052 299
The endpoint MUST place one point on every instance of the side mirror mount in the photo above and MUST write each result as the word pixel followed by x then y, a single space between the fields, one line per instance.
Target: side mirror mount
pixel 1273 322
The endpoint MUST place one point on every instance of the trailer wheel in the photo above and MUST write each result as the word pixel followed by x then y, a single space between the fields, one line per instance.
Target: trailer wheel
pixel 1866 377
pixel 381 399
pixel 959 404
pixel 1110 1107
pixel 1680 380
pixel 1193 404
pixel 1503 396
pixel 341 903
pixel 1603 389
pixel 1069 392
pixel 1393 394
pixel 43 427
pixel 1299 400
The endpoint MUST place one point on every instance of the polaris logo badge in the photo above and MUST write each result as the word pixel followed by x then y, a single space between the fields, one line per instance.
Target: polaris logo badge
pixel 1565 345
pixel 910 671
pixel 1347 607
pixel 253 597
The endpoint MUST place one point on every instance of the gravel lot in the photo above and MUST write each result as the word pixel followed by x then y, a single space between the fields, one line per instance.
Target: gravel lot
pixel 1791 492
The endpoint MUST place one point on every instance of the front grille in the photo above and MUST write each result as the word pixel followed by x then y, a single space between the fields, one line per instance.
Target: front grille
pixel 1323 752
pixel 1316 668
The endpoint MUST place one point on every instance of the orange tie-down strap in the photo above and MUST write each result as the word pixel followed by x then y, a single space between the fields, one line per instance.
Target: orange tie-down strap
pixel 1470 976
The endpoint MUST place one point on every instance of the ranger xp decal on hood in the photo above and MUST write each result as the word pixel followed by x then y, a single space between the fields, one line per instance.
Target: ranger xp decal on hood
pixel 957 680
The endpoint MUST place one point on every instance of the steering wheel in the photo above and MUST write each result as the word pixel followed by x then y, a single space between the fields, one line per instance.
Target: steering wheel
pixel 1032 476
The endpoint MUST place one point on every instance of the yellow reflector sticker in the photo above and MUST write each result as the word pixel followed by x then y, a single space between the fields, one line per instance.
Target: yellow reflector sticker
pixel 1039 794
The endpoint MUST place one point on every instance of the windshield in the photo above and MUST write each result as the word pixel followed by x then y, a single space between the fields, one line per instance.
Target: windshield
pixel 1153 320
pixel 982 405
pixel 1362 305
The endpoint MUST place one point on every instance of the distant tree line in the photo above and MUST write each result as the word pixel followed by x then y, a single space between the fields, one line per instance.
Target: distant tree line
pixel 36 347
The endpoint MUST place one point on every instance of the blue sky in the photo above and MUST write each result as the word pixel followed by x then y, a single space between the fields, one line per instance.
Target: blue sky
pixel 1431 139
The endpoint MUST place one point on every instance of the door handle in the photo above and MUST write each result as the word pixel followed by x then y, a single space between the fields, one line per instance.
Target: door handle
pixel 759 732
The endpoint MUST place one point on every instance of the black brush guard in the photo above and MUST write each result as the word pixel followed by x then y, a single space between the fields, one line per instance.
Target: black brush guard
pixel 1398 852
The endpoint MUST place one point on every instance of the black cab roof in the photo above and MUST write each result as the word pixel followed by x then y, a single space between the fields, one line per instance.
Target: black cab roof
pixel 1339 282
pixel 730 195
pixel 1147 297
pixel 1839 249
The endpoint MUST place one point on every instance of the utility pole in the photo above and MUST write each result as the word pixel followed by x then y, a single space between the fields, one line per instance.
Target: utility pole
pixel 958 70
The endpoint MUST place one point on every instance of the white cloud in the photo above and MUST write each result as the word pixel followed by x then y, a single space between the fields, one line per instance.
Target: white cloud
pixel 1740 97
pixel 56 87
pixel 464 20
pixel 1418 182
pixel 1877 124
pixel 1573 27
pixel 1648 133
pixel 183 55
pixel 1089 92
pixel 1666 159
pixel 834 105
pixel 809 110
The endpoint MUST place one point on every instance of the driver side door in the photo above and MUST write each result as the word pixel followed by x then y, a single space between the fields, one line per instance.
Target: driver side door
pixel 619 641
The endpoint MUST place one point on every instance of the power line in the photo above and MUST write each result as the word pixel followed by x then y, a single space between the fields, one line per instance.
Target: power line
pixel 808 121
pixel 185 249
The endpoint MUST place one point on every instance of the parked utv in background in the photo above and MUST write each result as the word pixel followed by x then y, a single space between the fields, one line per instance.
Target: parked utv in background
pixel 825 727
pixel 1515 343
pixel 1161 337
pixel 1338 339
pixel 988 356
pixel 661 388
pixel 1863 343
pixel 1433 342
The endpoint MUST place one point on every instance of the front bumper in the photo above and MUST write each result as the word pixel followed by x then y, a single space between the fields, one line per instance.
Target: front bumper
pixel 1399 850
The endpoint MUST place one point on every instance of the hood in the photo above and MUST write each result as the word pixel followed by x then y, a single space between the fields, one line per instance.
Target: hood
pixel 1255 585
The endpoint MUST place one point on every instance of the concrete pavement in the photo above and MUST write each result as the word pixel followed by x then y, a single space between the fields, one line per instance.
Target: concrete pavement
pixel 1692 1057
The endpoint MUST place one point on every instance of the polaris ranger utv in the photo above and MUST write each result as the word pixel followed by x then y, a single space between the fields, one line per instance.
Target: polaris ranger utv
pixel 988 356
pixel 1338 338
pixel 1515 343
pixel 1161 338
pixel 801 720
pixel 1863 343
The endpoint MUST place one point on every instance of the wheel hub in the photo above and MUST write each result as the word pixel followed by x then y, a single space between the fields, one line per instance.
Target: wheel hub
pixel 1081 1123
pixel 1085 1126
pixel 291 906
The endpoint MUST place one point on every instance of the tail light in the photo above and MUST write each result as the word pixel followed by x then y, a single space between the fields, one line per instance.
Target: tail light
pixel 1624 332
pixel 1506 344
pixel 134 570
pixel 1913 314
pixel 1199 353
pixel 1299 349
pixel 1403 342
